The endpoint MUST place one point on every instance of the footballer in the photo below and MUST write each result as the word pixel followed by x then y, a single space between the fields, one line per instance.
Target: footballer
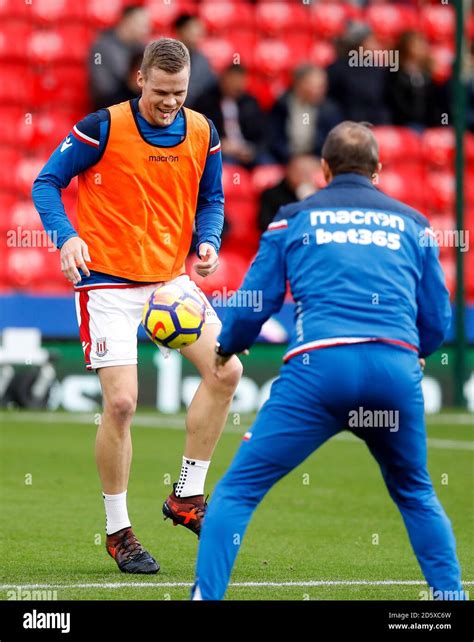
pixel 148 170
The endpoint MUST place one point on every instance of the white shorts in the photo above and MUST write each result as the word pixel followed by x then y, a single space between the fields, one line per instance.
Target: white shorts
pixel 109 318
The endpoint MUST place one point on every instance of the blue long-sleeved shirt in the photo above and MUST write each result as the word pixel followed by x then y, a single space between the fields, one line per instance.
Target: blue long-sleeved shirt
pixel 83 148
pixel 361 266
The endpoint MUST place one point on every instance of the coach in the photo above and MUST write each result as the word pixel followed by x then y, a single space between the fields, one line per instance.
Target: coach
pixel 370 303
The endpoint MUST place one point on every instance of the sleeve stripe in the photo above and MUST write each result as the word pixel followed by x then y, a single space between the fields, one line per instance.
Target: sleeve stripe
pixel 278 225
pixel 215 149
pixel 85 139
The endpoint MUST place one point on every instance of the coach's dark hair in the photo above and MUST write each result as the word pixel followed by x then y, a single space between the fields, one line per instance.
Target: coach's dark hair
pixel 167 54
pixel 351 147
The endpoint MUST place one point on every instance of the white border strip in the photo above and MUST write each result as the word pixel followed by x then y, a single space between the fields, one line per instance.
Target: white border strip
pixel 117 585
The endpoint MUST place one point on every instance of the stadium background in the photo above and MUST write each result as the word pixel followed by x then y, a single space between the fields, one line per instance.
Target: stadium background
pixel 352 541
pixel 44 90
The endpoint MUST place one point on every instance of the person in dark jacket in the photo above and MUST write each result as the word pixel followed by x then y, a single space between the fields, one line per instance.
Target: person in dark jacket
pixel 359 90
pixel 190 30
pixel 236 115
pixel 299 182
pixel 303 116
pixel 111 54
pixel 412 95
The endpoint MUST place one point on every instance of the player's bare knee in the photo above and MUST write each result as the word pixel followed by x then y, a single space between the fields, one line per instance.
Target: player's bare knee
pixel 121 408
pixel 229 376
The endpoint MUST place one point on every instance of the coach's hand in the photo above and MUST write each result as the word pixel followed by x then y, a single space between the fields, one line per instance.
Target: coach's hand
pixel 74 254
pixel 220 361
pixel 209 260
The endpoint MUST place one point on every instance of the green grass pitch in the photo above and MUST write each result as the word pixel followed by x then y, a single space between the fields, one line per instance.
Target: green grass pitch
pixel 330 520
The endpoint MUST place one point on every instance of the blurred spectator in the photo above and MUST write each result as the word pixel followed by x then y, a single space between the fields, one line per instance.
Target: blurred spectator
pixel 298 183
pixel 110 55
pixel 190 30
pixel 412 95
pixel 237 116
pixel 303 116
pixel 128 87
pixel 359 90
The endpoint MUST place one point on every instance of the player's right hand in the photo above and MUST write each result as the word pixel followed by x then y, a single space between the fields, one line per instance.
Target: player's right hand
pixel 74 254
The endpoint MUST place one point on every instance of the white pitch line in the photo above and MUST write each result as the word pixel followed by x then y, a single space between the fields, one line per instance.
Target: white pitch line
pixel 177 423
pixel 155 585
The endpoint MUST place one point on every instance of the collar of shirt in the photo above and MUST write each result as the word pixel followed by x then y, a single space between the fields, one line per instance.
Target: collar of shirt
pixel 350 178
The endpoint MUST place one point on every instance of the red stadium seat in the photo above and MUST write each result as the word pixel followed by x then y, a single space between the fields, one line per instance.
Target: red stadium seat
pixel 389 20
pixel 322 53
pixel 64 44
pixel 54 11
pixel 23 214
pixel 102 14
pixel 469 272
pixel 300 46
pixel 440 190
pixel 7 202
pixel 26 171
pixel 13 92
pixel 12 124
pixel 266 176
pixel 225 16
pixel 46 46
pixel 443 60
pixel 469 186
pixel 407 186
pixel 438 146
pixel 13 9
pixel 438 22
pixel 244 43
pixel 236 183
pixel 13 35
pixel 242 219
pixel 163 14
pixel 397 144
pixel 470 26
pixel 25 266
pixel 227 279
pixel 469 148
pixel 272 56
pixel 48 129
pixel 443 223
pixel 267 88
pixel 280 17
pixel 219 51
pixel 9 161
pixel 448 263
pixel 328 19
pixel 63 84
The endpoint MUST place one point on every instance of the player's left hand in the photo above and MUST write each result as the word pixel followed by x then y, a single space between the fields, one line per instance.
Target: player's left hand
pixel 209 260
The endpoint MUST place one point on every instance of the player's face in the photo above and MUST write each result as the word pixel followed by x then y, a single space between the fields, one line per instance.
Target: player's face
pixel 163 95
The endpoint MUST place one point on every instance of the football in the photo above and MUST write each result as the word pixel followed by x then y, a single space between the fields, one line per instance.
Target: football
pixel 173 317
